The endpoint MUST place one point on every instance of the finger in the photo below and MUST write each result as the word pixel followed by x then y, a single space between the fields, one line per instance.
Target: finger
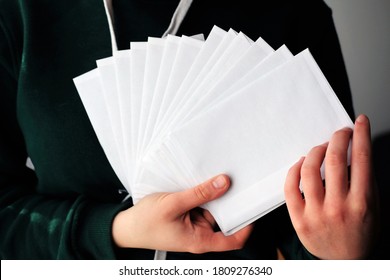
pixel 336 165
pixel 294 201
pixel 207 215
pixel 361 165
pixel 188 199
pixel 312 185
pixel 199 215
pixel 219 242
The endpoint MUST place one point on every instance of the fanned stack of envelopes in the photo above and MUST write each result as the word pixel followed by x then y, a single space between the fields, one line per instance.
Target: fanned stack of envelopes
pixel 173 112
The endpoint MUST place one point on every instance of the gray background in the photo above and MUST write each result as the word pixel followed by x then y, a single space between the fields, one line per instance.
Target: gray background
pixel 363 27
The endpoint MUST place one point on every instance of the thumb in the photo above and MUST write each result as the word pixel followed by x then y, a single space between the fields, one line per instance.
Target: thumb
pixel 205 192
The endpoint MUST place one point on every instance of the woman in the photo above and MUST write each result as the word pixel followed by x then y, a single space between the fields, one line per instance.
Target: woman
pixel 70 206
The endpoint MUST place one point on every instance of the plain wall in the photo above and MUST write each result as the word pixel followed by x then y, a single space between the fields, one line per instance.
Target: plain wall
pixel 363 27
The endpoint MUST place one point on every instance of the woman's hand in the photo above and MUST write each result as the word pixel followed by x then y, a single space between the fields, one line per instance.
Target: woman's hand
pixel 338 221
pixel 172 222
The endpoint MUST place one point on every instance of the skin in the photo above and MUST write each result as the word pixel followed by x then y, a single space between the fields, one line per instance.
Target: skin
pixel 173 222
pixel 338 221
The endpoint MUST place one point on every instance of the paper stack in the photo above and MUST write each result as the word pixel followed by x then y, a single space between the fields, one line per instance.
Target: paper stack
pixel 173 112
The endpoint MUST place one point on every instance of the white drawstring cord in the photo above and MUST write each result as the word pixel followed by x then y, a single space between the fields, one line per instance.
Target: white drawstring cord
pixel 110 18
pixel 177 19
pixel 178 16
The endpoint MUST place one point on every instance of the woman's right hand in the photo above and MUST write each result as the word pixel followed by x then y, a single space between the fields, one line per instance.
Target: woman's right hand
pixel 173 222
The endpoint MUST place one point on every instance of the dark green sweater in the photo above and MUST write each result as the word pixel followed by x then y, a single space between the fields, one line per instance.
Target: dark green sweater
pixel 64 209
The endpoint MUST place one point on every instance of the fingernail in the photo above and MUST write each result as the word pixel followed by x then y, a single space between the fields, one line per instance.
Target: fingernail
pixel 219 182
pixel 362 119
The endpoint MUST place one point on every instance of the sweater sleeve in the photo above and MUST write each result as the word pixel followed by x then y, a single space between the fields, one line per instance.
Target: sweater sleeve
pixel 36 225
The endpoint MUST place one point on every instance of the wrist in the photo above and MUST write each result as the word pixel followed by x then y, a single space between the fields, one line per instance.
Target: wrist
pixel 121 234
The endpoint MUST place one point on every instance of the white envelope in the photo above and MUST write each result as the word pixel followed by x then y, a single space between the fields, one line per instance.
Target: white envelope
pixel 269 63
pixel 92 97
pixel 254 136
pixel 137 70
pixel 216 43
pixel 171 113
pixel 216 67
pixel 154 52
pixel 168 58
pixel 108 81
pixel 187 52
pixel 255 53
pixel 122 73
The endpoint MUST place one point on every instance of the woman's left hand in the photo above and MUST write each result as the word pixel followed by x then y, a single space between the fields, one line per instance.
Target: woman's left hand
pixel 338 220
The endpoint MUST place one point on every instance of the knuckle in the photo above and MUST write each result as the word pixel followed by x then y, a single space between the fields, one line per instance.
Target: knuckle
pixel 301 227
pixel 334 213
pixel 295 168
pixel 342 133
pixel 292 172
pixel 194 249
pixel 309 170
pixel 335 158
pixel 169 210
pixel 197 247
pixel 240 244
pixel 363 157
pixel 359 210
pixel 202 192
pixel 318 150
